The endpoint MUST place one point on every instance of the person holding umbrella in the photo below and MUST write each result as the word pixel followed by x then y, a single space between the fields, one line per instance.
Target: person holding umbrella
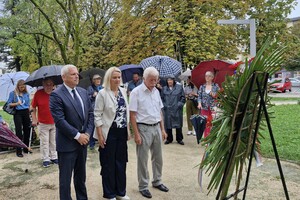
pixel 134 82
pixel 2 122
pixel 207 95
pixel 19 98
pixel 191 94
pixel 41 117
pixel 92 92
pixel 173 99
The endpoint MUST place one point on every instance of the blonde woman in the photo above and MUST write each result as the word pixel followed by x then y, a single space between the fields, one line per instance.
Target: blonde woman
pixel 19 98
pixel 112 131
pixel 207 94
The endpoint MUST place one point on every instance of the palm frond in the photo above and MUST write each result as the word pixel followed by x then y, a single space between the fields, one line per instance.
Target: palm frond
pixel 232 100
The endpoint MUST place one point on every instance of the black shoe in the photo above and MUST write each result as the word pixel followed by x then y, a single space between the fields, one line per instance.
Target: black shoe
pixel 167 142
pixel 20 155
pixel 54 161
pixel 162 187
pixel 146 194
pixel 181 142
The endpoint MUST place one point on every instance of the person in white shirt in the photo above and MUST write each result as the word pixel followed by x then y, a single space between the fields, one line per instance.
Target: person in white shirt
pixel 147 123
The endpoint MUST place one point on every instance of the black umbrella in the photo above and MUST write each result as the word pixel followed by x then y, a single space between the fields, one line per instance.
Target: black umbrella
pixel 129 70
pixel 199 124
pixel 87 76
pixel 52 72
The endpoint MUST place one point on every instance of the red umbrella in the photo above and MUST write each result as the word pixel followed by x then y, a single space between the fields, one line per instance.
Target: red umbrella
pixel 219 67
pixel 9 139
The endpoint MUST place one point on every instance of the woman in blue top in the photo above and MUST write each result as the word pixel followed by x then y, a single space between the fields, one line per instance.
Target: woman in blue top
pixel 19 98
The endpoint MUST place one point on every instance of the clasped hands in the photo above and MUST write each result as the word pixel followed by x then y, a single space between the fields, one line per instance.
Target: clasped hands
pixel 84 138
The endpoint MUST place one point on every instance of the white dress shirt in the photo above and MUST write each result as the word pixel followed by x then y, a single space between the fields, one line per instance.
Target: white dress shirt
pixel 147 104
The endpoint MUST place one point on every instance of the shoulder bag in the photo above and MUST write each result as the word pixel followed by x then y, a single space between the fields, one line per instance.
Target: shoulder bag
pixel 10 110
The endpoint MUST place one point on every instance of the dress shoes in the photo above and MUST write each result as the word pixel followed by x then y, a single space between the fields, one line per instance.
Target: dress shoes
pixel 162 187
pixel 20 155
pixel 146 193
pixel 167 142
pixel 54 161
pixel 181 142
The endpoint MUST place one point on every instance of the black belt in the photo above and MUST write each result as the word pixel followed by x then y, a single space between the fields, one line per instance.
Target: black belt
pixel 148 124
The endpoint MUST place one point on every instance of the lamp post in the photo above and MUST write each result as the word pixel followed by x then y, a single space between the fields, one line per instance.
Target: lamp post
pixel 251 22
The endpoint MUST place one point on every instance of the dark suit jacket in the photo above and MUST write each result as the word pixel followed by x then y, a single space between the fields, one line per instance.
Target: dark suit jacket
pixel 67 118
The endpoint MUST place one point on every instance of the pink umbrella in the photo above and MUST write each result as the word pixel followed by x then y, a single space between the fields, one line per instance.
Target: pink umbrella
pixel 220 69
pixel 9 139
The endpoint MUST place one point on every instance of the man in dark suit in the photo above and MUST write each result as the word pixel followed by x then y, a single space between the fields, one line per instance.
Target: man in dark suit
pixel 73 115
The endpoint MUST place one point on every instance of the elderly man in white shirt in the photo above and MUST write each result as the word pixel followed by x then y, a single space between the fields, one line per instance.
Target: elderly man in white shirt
pixel 147 122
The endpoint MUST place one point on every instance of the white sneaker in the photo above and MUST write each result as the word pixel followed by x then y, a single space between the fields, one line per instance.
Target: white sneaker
pixel 258 159
pixel 189 132
pixel 123 198
pixel 194 133
pixel 259 164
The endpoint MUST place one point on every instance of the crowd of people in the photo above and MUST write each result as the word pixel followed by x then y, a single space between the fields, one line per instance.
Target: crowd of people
pixel 70 118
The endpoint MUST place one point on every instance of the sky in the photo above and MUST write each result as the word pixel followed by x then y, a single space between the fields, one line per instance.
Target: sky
pixel 296 11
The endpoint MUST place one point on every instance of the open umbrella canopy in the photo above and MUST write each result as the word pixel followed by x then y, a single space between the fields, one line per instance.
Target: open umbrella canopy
pixel 219 67
pixel 8 83
pixel 87 76
pixel 129 70
pixel 184 76
pixel 52 72
pixel 165 65
pixel 9 139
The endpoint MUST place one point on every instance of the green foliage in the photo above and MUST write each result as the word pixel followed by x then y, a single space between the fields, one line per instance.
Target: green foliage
pixel 116 32
pixel 293 52
pixel 233 130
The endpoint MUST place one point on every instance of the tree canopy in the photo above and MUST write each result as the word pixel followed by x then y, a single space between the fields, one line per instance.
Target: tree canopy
pixel 94 33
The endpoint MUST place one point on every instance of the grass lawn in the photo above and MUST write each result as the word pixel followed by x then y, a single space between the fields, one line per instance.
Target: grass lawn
pixel 286 130
pixel 285 99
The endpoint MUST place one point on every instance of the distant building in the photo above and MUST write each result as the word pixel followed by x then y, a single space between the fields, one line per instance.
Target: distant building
pixel 293 21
